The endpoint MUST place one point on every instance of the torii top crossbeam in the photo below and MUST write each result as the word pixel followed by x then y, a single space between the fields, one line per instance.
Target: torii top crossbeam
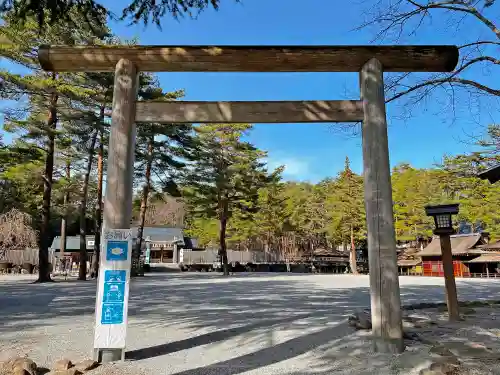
pixel 437 58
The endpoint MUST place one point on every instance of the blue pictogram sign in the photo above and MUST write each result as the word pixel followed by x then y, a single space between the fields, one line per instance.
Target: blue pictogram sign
pixel 117 250
pixel 112 313
pixel 117 276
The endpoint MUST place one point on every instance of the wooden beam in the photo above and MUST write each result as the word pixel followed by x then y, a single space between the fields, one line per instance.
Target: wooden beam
pixel 249 58
pixel 250 112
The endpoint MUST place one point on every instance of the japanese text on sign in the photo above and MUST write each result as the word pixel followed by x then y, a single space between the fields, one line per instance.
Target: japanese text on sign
pixel 117 235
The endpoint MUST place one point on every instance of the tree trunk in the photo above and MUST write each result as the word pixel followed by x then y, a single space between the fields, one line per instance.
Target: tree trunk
pixel 82 272
pixel 267 247
pixel 43 242
pixel 354 266
pixel 222 238
pixel 65 218
pixel 145 194
pixel 98 211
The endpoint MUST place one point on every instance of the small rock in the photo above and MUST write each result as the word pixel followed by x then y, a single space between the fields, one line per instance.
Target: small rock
pixel 352 320
pixel 86 365
pixel 426 371
pixel 422 305
pixel 411 336
pixel 475 303
pixel 364 324
pixel 23 364
pixel 19 371
pixel 360 321
pixel 70 371
pixel 452 360
pixel 441 350
pixel 62 364
pixel 42 370
pixel 443 368
pixel 467 311
pixel 476 345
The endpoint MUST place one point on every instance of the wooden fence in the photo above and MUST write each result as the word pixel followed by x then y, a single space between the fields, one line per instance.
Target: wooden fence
pixel 18 257
pixel 490 275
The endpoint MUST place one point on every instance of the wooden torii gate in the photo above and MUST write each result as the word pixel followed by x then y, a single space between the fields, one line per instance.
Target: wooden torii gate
pixel 370 61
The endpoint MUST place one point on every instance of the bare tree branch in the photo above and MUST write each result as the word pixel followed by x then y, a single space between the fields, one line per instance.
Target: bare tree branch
pixel 470 81
pixel 451 79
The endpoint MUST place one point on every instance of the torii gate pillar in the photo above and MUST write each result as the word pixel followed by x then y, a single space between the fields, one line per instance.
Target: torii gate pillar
pixel 384 285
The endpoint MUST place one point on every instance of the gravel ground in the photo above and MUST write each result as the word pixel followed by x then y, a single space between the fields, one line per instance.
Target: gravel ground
pixel 197 324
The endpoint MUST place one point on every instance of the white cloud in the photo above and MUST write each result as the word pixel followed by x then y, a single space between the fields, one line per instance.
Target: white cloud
pixel 295 168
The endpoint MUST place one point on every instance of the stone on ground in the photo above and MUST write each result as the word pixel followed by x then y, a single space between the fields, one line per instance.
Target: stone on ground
pixel 360 321
pixel 62 364
pixel 70 371
pixel 86 365
pixel 22 365
pixel 441 350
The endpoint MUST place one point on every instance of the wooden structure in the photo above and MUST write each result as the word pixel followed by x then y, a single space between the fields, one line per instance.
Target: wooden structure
pixel 464 248
pixel 410 267
pixel 492 174
pixel 409 261
pixel 248 58
pixel 369 61
pixel 488 263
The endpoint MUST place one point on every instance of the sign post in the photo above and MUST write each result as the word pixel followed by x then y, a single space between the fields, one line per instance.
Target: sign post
pixel 147 256
pixel 116 250
pixel 112 293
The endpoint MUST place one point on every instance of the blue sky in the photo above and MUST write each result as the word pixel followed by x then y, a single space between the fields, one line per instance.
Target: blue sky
pixel 312 151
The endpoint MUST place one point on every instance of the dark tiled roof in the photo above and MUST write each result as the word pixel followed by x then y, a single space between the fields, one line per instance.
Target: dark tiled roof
pixel 492 174
pixel 460 244
pixel 161 234
pixel 490 246
pixel 486 258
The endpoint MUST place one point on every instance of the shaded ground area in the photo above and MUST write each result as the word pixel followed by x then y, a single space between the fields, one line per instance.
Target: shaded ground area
pixel 194 324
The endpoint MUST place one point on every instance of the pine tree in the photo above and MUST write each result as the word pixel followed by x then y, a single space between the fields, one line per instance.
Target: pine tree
pixel 160 149
pixel 412 190
pixel 225 177
pixel 46 92
pixel 74 12
pixel 271 215
pixel 347 208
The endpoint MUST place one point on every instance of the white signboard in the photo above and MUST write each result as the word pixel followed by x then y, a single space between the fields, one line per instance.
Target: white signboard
pixel 113 289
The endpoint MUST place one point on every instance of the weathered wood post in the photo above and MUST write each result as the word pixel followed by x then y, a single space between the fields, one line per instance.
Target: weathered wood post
pixel 384 283
pixel 118 197
pixel 449 278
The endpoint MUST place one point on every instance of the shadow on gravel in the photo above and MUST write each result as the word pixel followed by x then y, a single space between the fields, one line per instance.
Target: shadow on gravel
pixel 207 338
pixel 247 308
pixel 274 354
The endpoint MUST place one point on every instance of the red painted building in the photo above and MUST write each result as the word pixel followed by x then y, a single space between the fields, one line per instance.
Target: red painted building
pixel 464 248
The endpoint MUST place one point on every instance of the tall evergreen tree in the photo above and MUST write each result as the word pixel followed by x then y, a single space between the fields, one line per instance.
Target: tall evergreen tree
pixel 348 210
pixel 225 177
pixel 46 91
pixel 160 151
pixel 74 12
